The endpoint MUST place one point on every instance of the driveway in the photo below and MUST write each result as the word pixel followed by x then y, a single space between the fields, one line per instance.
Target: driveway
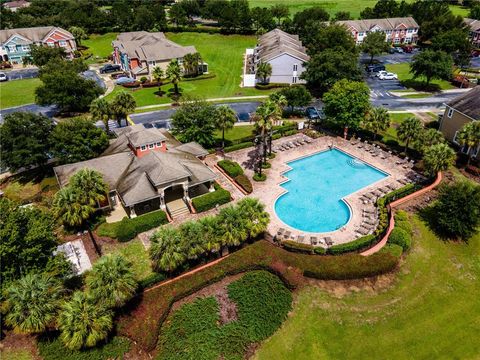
pixel 49 111
pixel 19 74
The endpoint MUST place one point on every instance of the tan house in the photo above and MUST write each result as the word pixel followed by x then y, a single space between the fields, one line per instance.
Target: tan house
pixel 460 111
pixel 139 52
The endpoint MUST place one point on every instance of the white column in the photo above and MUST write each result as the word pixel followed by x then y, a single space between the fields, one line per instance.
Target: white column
pixel 212 188
pixel 132 212
pixel 185 192
pixel 162 199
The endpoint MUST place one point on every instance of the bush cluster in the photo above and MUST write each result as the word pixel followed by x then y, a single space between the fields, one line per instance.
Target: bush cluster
pixel 400 237
pixel 356 245
pixel 270 86
pixel 127 228
pixel 143 322
pixel 238 146
pixel 258 177
pixel 393 249
pixel 209 201
pixel 297 247
pixel 232 168
pixel 244 182
pixel 263 303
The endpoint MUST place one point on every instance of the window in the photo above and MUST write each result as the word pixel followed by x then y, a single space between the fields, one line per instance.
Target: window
pixel 455 138
pixel 360 33
pixel 63 43
pixel 409 31
pixel 143 148
pixel 151 146
pixel 159 144
pixel 396 41
pixel 51 44
pixel 294 80
pixel 295 67
pixel 450 112
pixel 151 63
pixel 12 48
pixel 25 48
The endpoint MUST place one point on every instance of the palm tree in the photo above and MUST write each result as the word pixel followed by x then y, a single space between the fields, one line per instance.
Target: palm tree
pixel 100 110
pixel 253 212
pixel 266 114
pixel 111 281
pixel 158 74
pixel 192 239
pixel 377 120
pixel 211 233
pixel 437 158
pixel 69 207
pixel 83 323
pixel 409 130
pixel 264 71
pixel 191 63
pixel 469 136
pixel 166 250
pixel 123 104
pixel 225 119
pixel 233 226
pixel 174 73
pixel 428 138
pixel 32 303
pixel 90 184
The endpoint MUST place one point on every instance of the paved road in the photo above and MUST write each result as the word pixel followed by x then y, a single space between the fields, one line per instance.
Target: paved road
pixel 21 73
pixel 49 111
pixel 162 117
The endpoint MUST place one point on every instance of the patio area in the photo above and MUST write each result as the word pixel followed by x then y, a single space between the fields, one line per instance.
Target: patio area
pixel 363 217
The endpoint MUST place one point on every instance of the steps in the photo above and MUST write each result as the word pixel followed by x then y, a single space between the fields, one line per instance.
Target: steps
pixel 177 208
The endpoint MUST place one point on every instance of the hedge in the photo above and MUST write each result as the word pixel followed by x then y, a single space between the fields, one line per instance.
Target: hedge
pixel 238 146
pixel 142 321
pixel 393 249
pixel 271 86
pixel 210 200
pixel 244 183
pixel 297 247
pixel 402 221
pixel 361 243
pixel 232 168
pixel 127 228
pixel 400 237
pixel 258 177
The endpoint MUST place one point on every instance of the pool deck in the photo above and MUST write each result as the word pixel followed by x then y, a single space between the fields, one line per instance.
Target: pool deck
pixel 269 190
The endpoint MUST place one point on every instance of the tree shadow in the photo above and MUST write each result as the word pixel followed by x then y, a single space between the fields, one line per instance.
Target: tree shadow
pixel 429 216
pixel 420 85
pixel 252 159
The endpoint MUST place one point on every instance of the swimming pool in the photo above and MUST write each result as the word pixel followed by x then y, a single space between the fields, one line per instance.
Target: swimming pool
pixel 317 184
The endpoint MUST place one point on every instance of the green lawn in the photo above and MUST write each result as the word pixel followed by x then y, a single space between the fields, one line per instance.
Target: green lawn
pixel 135 252
pixel 395 120
pixel 403 72
pixel 224 55
pixel 238 132
pixel 459 10
pixel 100 45
pixel 18 92
pixel 432 311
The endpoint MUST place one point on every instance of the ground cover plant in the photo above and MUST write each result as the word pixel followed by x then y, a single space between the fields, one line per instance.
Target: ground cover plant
pixel 262 303
pixel 142 321
pixel 18 92
pixel 434 291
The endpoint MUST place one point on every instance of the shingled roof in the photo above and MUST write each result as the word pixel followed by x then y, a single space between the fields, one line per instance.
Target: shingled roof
pixel 136 178
pixel 468 103
pixel 278 42
pixel 473 24
pixel 33 34
pixel 384 24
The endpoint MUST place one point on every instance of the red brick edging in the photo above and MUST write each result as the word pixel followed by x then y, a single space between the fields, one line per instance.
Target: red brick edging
pixel 396 203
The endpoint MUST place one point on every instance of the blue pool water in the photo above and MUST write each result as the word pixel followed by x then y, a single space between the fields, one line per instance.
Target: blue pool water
pixel 313 201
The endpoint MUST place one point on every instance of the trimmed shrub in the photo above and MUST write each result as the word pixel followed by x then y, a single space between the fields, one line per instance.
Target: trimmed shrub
pixel 210 200
pixel 258 177
pixel 402 222
pixel 393 249
pixel 232 168
pixel 244 182
pixel 266 165
pixel 290 132
pixel 320 250
pixel 271 86
pixel 400 237
pixel 356 245
pixel 297 247
pixel 238 146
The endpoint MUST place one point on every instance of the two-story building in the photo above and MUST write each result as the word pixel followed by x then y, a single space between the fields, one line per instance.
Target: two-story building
pixel 458 112
pixel 473 31
pixel 139 52
pixel 146 170
pixel 16 43
pixel 397 30
pixel 285 54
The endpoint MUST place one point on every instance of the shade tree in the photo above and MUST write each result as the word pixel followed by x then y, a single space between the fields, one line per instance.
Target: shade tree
pixel 122 105
pixel 438 158
pixel 374 44
pixel 432 65
pixel 296 96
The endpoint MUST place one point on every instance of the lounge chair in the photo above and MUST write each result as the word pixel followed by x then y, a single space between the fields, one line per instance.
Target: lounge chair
pixel 362 231
pixel 280 231
pixel 328 240
pixel 313 240
pixel 369 196
pixel 307 140
pixel 301 238
pixel 369 222
pixel 287 234
pixel 391 187
pixel 368 211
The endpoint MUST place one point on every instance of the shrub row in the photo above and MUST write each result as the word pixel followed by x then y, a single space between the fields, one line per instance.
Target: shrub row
pixel 356 245
pixel 232 168
pixel 127 228
pixel 210 200
pixel 199 77
pixel 400 237
pixel 142 323
pixel 271 86
pixel 238 146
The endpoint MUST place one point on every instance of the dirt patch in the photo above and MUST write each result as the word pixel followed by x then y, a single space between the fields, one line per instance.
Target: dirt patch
pixel 228 309
pixel 13 341
pixel 340 288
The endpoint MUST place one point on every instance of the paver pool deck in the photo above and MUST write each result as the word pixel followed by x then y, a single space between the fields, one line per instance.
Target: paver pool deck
pixel 269 190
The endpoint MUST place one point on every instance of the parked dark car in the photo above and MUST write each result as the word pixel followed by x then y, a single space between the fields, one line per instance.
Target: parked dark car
pixel 312 113
pixel 375 68
pixel 118 75
pixel 109 68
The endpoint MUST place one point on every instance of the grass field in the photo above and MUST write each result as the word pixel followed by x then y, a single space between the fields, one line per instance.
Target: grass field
pixel 238 132
pixel 135 252
pixel 403 72
pixel 18 92
pixel 395 120
pixel 224 55
pixel 100 45
pixel 432 311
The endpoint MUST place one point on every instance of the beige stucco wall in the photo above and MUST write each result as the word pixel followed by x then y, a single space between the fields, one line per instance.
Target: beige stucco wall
pixel 450 125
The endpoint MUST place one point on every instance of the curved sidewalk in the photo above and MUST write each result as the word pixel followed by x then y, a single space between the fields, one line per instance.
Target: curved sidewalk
pixel 396 203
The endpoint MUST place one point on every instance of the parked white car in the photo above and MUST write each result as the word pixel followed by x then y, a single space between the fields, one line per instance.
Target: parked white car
pixel 3 77
pixel 381 72
pixel 388 76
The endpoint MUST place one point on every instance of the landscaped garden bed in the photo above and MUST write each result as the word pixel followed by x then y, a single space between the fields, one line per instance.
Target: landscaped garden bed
pixel 142 321
pixel 235 172
pixel 209 201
